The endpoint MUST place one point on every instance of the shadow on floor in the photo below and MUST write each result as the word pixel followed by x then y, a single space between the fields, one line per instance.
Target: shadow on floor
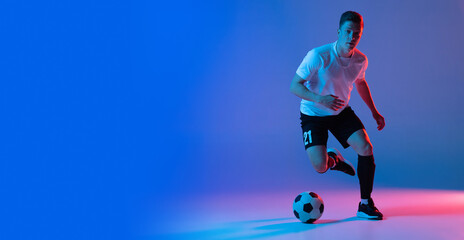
pixel 277 229
pixel 255 229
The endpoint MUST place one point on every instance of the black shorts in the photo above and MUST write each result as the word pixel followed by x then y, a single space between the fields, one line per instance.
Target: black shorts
pixel 342 126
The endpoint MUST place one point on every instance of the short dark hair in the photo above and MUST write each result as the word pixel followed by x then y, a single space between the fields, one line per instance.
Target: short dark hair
pixel 351 16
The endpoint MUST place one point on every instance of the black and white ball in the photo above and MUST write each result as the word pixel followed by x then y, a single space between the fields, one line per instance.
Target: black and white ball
pixel 308 207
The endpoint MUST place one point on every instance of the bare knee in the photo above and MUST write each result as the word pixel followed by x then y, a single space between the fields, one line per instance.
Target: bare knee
pixel 365 149
pixel 320 165
pixel 318 157
pixel 361 143
pixel 321 169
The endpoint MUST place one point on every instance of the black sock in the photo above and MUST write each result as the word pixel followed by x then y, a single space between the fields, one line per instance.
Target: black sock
pixel 366 170
pixel 332 158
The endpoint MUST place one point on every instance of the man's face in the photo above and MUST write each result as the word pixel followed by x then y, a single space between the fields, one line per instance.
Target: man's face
pixel 349 35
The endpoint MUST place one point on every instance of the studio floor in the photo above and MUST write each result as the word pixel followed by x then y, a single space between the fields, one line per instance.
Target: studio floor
pixel 409 214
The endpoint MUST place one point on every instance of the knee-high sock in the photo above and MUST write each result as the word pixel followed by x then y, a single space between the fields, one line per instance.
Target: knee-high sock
pixel 366 171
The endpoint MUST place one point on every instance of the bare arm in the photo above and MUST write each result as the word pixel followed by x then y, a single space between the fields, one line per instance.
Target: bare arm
pixel 365 93
pixel 298 88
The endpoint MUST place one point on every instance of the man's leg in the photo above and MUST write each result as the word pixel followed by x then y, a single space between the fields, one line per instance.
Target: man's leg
pixel 360 142
pixel 318 157
pixel 315 135
pixel 323 159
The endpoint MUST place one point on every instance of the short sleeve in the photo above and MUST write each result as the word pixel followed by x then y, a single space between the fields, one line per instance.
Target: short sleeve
pixel 310 64
pixel 362 74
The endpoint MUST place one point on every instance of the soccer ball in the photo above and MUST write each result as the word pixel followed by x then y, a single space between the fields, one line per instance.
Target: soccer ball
pixel 308 207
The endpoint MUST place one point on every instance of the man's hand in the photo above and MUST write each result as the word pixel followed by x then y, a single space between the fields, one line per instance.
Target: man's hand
pixel 379 119
pixel 331 102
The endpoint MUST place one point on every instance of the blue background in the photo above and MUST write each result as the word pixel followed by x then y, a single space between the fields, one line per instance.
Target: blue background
pixel 110 107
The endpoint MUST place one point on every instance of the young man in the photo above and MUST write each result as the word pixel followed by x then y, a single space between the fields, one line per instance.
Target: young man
pixel 324 81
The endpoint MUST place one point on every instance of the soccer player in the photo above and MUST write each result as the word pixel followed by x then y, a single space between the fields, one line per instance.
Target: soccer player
pixel 324 81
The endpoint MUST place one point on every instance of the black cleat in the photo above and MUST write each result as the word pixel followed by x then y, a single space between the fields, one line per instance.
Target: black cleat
pixel 340 163
pixel 369 211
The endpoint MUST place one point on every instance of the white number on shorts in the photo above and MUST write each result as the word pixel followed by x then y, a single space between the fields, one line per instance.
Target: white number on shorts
pixel 307 137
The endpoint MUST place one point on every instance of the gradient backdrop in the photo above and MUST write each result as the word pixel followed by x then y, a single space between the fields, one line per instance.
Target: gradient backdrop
pixel 109 107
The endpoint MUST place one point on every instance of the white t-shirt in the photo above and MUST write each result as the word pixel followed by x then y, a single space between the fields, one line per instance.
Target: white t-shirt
pixel 326 73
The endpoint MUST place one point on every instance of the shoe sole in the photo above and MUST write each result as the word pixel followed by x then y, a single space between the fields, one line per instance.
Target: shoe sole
pixel 363 215
pixel 341 158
